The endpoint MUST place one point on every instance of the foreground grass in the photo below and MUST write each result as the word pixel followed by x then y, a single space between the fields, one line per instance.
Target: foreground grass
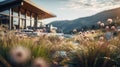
pixel 88 53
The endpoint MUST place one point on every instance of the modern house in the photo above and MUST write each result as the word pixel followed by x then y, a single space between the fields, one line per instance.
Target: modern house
pixel 22 14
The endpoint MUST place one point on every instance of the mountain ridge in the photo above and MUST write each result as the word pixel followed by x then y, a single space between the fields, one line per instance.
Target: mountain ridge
pixel 69 25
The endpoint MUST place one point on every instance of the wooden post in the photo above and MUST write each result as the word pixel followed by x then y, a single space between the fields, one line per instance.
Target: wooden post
pixel 10 19
pixel 30 19
pixel 25 18
pixel 19 13
pixel 36 21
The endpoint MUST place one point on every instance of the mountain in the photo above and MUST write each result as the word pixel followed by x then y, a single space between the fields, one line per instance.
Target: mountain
pixel 69 25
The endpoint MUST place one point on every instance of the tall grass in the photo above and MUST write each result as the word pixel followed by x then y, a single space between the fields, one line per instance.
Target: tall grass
pixel 88 53
pixel 95 55
pixel 42 46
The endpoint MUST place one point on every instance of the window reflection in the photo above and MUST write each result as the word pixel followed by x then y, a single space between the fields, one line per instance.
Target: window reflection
pixel 22 23
pixel 18 21
pixel 22 13
pixel 6 12
pixel 4 20
pixel 15 22
pixel 28 19
pixel 33 20
pixel 15 12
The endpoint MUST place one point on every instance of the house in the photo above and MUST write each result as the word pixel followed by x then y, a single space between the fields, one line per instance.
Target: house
pixel 22 14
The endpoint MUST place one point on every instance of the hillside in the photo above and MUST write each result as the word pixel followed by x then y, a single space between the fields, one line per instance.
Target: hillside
pixel 68 26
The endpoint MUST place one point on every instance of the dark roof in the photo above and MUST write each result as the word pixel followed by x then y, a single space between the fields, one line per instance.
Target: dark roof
pixel 27 4
pixel 9 1
pixel 7 4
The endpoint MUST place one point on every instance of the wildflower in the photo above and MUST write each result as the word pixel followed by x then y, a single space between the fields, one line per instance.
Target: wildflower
pixel 107 27
pixel 113 28
pixel 101 38
pixel 91 38
pixel 87 39
pixel 102 24
pixel 74 30
pixel 20 54
pixel 99 22
pixel 100 43
pixel 80 32
pixel 39 62
pixel 92 31
pixel 87 32
pixel 61 37
pixel 110 21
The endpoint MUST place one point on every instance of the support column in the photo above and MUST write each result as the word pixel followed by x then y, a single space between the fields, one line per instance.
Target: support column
pixel 36 21
pixel 25 19
pixel 19 13
pixel 30 19
pixel 10 19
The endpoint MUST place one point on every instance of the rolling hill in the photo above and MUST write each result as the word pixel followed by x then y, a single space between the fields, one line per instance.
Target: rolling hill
pixel 69 25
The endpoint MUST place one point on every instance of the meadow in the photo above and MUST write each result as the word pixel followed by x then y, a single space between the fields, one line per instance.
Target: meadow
pixel 21 51
pixel 88 49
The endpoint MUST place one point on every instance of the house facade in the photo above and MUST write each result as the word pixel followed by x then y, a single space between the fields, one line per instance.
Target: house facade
pixel 22 14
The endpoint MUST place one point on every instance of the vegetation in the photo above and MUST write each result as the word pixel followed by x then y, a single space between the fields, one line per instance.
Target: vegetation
pixel 43 47
pixel 90 53
pixel 85 49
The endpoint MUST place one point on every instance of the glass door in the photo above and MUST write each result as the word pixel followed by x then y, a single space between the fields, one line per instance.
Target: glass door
pixel 22 24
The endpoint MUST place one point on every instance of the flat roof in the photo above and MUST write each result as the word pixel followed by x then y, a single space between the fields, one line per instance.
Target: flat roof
pixel 28 5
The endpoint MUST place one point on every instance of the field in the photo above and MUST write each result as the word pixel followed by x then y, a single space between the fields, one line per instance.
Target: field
pixel 79 51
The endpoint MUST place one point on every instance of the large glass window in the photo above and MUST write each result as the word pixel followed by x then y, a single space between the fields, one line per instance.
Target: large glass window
pixel 15 12
pixel 28 19
pixel 33 20
pixel 22 13
pixel 4 20
pixel 22 20
pixel 6 12
pixel 39 23
pixel 15 22
pixel 22 23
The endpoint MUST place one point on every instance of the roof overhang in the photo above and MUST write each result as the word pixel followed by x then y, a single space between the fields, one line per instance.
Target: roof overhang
pixel 28 5
pixel 5 5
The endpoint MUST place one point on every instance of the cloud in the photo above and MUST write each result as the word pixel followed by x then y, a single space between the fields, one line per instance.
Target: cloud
pixel 92 4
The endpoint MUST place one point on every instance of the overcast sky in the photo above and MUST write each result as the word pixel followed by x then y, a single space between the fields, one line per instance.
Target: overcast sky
pixel 72 9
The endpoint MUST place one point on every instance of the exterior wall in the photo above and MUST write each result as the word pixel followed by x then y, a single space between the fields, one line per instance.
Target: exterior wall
pixel 4 18
pixel 26 19
pixel 18 18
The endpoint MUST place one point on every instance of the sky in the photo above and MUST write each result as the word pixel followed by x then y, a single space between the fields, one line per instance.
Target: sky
pixel 73 9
